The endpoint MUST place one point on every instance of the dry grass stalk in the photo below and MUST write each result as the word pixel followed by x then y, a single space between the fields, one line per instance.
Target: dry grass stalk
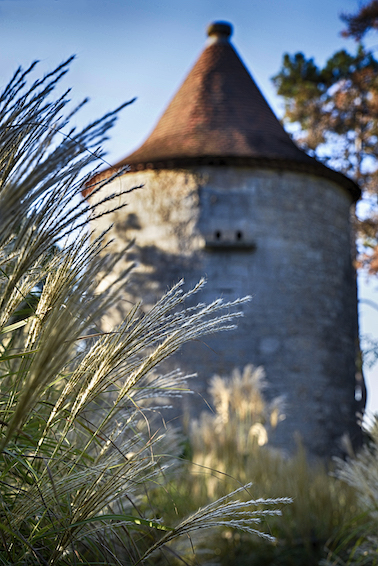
pixel 76 449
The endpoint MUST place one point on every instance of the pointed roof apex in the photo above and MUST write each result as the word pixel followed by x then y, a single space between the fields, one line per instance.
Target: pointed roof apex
pixel 219 31
pixel 219 112
pixel 219 117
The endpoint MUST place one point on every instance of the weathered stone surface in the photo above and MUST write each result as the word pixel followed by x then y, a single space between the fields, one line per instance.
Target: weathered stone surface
pixel 282 237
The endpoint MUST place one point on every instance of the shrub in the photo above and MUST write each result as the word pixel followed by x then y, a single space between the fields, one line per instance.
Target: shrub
pixel 357 542
pixel 229 447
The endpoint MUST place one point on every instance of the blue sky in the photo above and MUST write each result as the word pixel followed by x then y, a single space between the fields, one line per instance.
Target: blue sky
pixel 145 48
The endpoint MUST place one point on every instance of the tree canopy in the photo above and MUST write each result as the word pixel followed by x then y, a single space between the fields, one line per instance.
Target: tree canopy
pixel 334 110
pixel 363 21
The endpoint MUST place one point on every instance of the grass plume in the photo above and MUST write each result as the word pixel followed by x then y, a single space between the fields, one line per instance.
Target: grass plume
pixel 77 451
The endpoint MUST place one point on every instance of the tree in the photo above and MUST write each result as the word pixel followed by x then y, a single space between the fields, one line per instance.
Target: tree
pixel 363 21
pixel 335 113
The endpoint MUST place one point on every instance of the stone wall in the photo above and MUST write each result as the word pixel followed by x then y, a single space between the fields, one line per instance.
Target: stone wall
pixel 282 237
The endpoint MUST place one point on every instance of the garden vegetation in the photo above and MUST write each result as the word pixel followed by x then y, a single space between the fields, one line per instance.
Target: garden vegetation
pixel 77 452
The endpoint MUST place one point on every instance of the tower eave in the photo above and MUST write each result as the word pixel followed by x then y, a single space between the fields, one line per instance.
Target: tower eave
pixel 310 166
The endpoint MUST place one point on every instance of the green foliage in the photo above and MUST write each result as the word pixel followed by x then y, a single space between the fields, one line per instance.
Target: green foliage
pixel 357 543
pixel 363 21
pixel 228 448
pixel 334 110
pixel 77 451
pixel 337 103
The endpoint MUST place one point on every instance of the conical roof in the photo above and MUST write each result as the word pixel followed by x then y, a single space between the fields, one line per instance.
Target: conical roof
pixel 220 117
pixel 218 111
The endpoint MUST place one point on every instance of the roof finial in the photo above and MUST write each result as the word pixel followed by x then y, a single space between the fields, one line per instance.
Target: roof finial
pixel 219 31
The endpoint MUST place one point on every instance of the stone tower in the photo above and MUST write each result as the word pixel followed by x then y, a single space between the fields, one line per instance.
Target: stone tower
pixel 229 196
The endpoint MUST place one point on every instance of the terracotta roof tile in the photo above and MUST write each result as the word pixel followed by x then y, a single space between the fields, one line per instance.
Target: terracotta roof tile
pixel 220 113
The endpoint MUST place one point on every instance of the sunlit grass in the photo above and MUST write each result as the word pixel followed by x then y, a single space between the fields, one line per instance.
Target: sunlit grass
pixel 77 451
pixel 230 447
